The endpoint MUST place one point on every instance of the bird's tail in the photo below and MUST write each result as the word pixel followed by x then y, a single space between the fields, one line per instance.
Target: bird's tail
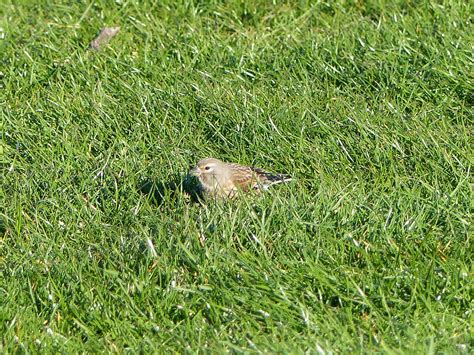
pixel 278 178
pixel 267 179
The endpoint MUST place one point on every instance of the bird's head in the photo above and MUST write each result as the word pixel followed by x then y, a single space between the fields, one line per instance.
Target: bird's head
pixel 208 169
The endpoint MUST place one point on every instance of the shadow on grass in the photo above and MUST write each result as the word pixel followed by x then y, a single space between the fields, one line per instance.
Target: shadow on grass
pixel 163 192
pixel 3 226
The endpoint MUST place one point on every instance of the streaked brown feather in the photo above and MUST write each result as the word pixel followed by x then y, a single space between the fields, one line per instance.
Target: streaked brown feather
pixel 243 178
pixel 251 178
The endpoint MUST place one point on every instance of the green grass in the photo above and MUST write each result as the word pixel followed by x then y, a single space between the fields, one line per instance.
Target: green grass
pixel 368 104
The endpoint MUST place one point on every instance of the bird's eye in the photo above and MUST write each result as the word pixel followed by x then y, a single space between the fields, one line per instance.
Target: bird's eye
pixel 207 168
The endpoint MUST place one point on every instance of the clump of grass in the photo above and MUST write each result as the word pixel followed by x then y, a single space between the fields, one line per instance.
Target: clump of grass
pixel 369 107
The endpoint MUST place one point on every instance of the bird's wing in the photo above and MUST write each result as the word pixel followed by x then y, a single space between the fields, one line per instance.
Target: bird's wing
pixel 248 178
pixel 243 177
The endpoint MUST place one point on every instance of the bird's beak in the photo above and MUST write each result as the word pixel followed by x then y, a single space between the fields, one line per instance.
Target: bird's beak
pixel 194 172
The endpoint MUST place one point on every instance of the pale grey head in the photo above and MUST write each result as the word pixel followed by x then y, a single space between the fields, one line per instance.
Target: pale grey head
pixel 211 172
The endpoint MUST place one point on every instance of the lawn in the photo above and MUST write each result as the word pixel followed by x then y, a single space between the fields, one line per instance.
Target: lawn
pixel 367 104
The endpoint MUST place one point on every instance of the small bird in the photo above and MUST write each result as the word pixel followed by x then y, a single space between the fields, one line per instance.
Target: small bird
pixel 219 179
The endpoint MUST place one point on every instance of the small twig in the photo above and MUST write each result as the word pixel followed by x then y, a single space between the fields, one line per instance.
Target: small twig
pixel 105 35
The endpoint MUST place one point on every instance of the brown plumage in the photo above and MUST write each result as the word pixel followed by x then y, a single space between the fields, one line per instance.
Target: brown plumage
pixel 225 180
